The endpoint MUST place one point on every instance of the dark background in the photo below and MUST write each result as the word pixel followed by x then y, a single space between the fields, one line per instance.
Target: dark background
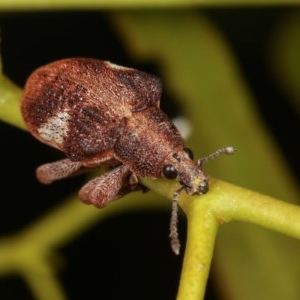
pixel 136 268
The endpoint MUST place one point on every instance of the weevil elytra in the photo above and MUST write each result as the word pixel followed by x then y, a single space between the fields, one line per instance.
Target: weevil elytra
pixel 101 114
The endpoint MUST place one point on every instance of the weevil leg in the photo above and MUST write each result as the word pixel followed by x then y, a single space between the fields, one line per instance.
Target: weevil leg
pixel 175 243
pixel 135 185
pixel 50 172
pixel 108 187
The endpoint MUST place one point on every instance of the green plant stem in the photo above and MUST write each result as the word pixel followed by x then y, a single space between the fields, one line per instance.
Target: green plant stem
pixel 10 102
pixel 33 250
pixel 224 202
pixel 256 208
pixel 202 230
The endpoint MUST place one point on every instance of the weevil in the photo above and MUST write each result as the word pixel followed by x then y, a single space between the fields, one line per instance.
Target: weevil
pixel 102 114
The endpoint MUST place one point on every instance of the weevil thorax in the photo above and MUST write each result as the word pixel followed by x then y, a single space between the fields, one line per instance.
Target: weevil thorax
pixel 151 146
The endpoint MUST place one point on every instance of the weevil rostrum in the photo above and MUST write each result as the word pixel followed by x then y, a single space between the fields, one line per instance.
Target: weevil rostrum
pixel 101 114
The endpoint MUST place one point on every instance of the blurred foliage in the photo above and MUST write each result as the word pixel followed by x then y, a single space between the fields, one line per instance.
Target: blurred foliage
pixel 284 49
pixel 46 4
pixel 199 67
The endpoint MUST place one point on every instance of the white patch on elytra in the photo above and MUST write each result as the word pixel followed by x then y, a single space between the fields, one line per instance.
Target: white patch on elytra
pixel 116 67
pixel 56 128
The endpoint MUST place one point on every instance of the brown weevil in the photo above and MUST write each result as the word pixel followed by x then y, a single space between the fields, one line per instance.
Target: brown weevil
pixel 101 114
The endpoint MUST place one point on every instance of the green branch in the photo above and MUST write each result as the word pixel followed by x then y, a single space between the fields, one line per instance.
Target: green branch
pixel 224 203
pixel 10 102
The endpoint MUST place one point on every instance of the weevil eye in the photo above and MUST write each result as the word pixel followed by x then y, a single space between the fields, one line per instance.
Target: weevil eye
pixel 189 152
pixel 169 172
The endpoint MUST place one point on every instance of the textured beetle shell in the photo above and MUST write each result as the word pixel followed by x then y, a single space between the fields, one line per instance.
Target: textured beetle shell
pixel 93 110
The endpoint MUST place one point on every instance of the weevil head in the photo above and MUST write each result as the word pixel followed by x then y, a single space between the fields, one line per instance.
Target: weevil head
pixel 180 166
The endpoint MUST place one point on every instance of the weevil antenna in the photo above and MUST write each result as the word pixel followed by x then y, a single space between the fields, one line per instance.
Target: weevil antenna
pixel 175 242
pixel 224 150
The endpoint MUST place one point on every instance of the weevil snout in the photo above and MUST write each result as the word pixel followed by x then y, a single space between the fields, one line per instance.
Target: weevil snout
pixel 188 173
pixel 194 181
pixel 203 187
